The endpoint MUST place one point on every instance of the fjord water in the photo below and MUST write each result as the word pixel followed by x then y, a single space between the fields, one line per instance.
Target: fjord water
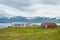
pixel 4 25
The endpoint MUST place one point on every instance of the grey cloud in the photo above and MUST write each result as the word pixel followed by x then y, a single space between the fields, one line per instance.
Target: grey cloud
pixel 2 13
pixel 15 3
pixel 18 4
pixel 24 5
pixel 51 2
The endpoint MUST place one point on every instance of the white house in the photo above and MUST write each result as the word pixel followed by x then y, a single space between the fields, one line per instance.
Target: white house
pixel 21 24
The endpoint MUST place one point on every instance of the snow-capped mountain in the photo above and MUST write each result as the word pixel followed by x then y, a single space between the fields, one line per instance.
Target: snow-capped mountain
pixel 33 19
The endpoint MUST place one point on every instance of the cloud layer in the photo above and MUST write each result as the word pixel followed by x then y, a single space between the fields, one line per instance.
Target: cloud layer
pixel 30 8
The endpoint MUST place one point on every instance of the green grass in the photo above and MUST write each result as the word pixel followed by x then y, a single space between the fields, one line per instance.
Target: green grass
pixel 30 33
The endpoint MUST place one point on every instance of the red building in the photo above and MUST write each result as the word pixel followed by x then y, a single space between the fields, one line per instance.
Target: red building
pixel 48 25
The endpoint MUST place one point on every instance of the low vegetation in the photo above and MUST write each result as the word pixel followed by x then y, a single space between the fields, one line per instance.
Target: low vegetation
pixel 30 33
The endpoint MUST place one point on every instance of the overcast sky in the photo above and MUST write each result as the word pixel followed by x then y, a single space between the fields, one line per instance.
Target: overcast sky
pixel 30 8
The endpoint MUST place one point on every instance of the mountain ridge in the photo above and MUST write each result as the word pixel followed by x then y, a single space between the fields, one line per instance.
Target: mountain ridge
pixel 33 19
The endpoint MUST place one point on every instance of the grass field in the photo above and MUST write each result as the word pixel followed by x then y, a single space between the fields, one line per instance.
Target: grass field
pixel 30 33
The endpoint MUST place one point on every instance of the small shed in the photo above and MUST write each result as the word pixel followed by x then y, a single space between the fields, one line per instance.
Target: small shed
pixel 48 25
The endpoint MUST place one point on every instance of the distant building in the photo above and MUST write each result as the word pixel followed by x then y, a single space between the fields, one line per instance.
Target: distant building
pixel 48 25
pixel 21 24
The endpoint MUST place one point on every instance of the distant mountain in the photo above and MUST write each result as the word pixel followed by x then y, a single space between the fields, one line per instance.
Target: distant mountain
pixel 18 19
pixel 46 19
pixel 4 19
pixel 25 19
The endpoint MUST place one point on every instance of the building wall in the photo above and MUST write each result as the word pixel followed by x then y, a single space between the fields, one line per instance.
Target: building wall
pixel 20 25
